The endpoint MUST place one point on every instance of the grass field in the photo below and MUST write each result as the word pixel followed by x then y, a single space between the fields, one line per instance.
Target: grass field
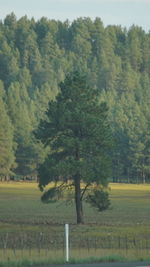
pixel 28 224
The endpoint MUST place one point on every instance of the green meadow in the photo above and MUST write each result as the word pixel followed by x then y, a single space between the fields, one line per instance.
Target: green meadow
pixel 29 228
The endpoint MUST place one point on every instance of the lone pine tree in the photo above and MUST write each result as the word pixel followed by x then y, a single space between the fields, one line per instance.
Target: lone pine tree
pixel 78 135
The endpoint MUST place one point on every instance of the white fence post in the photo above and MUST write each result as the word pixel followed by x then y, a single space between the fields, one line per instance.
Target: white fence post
pixel 67 241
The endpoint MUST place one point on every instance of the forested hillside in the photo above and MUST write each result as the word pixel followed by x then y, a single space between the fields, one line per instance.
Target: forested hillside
pixel 35 57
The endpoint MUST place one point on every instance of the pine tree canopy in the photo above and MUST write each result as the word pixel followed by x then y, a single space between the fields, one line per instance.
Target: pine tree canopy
pixel 78 134
pixel 35 57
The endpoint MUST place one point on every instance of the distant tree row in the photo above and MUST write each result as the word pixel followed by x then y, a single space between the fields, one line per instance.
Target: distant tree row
pixel 35 56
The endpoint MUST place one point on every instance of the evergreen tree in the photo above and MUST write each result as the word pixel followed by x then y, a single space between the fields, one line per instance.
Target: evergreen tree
pixel 7 157
pixel 78 134
pixel 36 57
pixel 27 150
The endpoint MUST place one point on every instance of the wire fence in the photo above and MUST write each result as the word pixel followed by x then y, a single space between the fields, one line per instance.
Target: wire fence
pixel 45 244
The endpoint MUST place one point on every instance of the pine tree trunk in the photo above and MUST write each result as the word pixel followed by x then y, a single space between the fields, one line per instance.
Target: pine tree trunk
pixel 78 201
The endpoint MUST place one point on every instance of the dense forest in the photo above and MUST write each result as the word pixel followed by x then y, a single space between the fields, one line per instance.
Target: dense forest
pixel 35 57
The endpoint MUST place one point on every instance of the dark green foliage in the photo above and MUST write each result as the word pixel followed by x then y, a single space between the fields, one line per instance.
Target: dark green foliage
pixel 78 135
pixel 7 158
pixel 51 195
pixel 99 199
pixel 36 56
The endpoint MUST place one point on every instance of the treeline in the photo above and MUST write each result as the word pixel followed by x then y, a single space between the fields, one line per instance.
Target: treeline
pixel 35 57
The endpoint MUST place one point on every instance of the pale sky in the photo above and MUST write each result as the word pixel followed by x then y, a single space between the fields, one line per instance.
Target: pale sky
pixel 112 12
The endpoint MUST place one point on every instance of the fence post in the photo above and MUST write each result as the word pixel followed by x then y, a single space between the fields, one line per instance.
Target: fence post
pixel 67 241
